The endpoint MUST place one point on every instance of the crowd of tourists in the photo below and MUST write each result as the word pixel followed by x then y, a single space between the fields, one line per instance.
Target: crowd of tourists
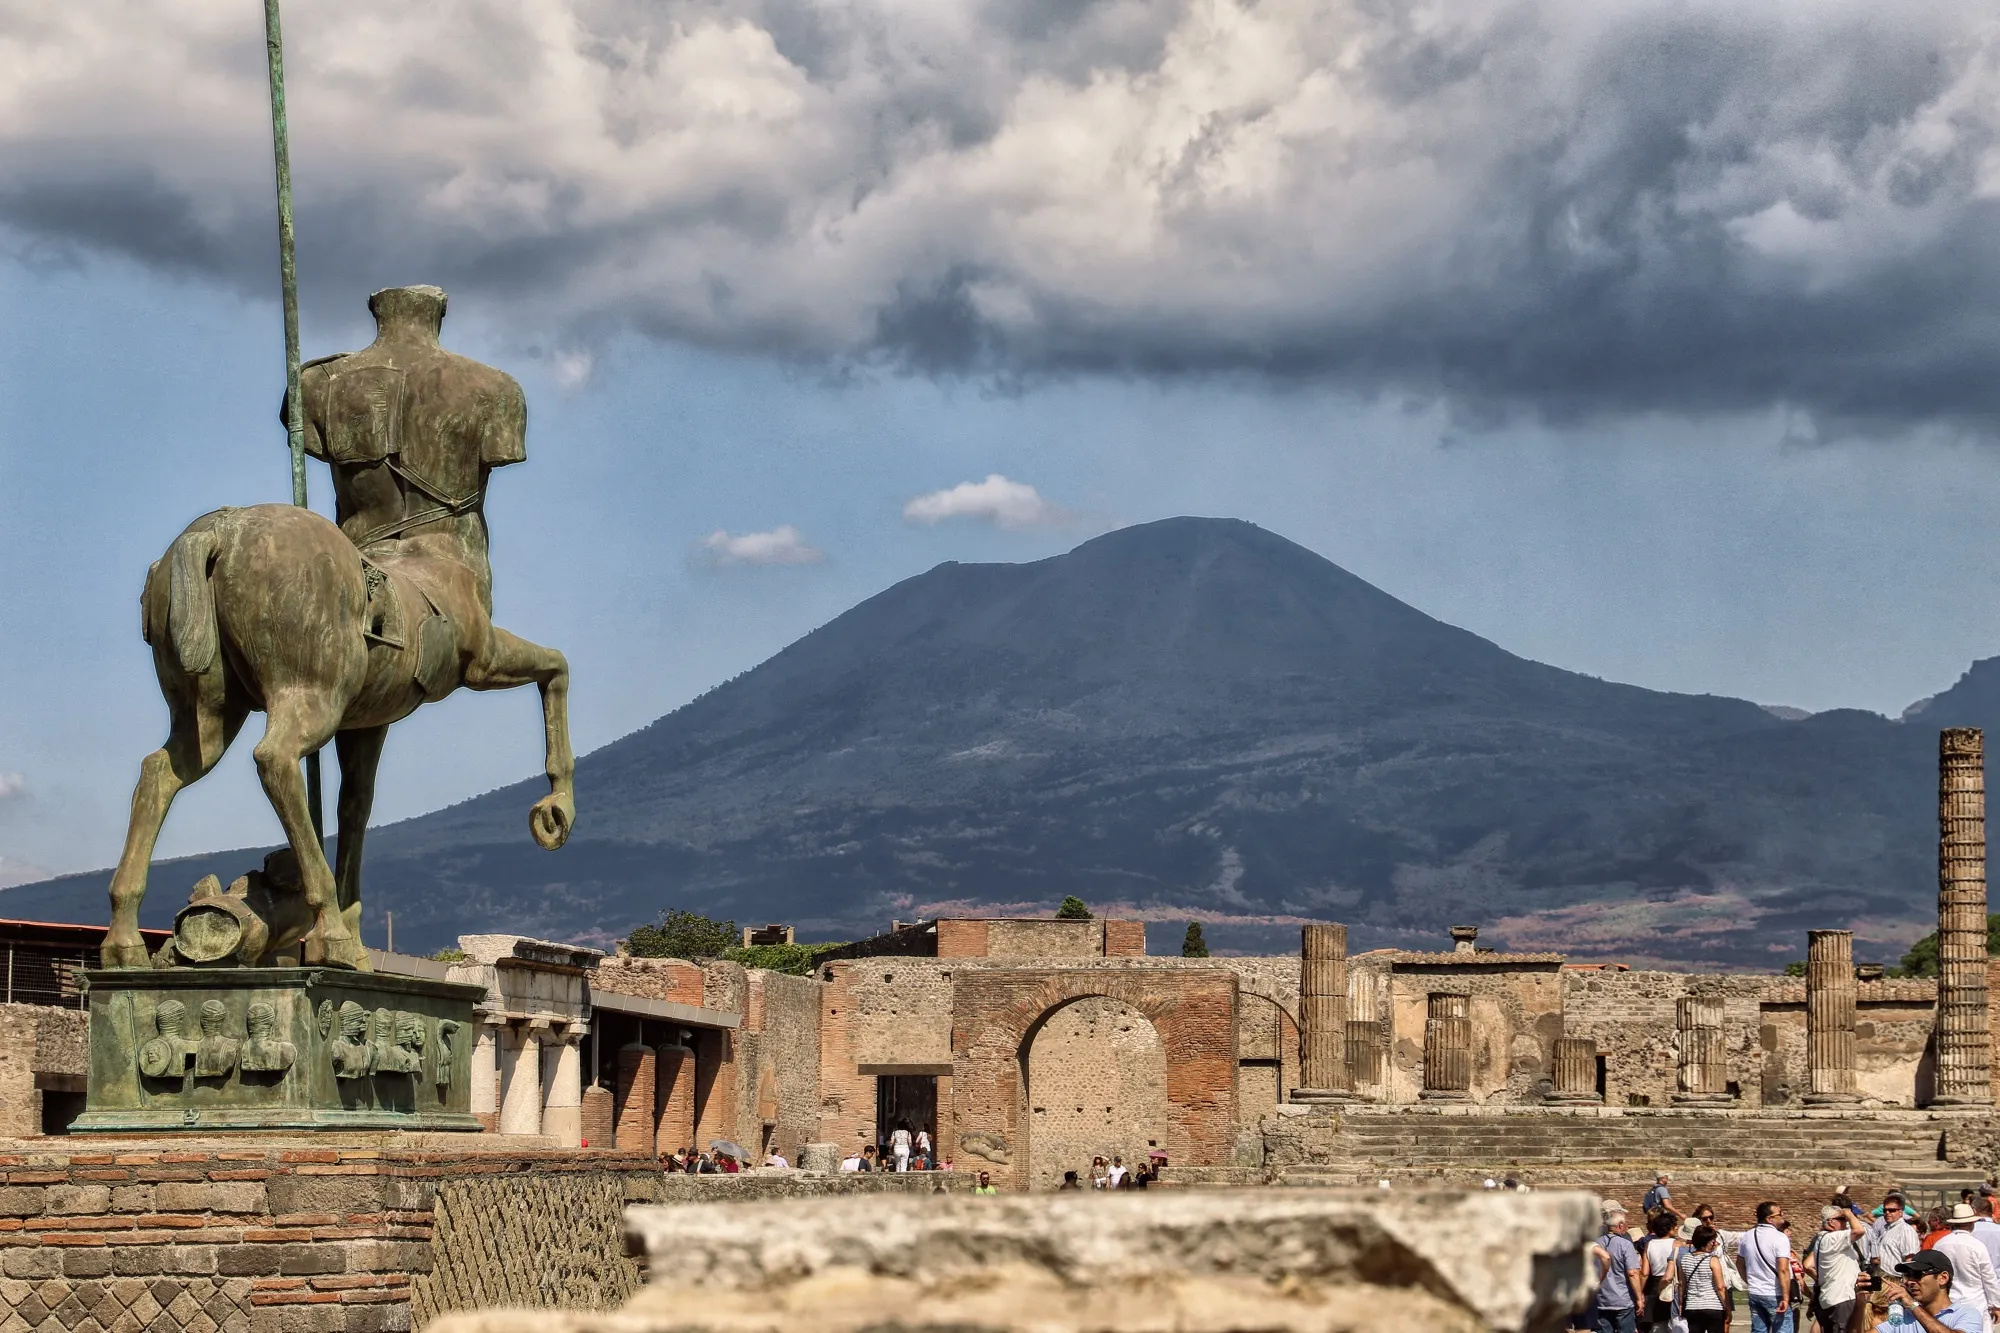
pixel 1860 1269
pixel 1113 1174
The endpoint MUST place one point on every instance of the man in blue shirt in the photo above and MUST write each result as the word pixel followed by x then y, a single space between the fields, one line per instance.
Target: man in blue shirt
pixel 1925 1295
pixel 1657 1197
pixel 1615 1308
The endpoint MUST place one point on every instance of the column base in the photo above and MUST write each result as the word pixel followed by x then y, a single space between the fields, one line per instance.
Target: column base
pixel 1954 1099
pixel 1831 1099
pixel 1574 1099
pixel 1319 1096
pixel 1703 1099
pixel 1441 1095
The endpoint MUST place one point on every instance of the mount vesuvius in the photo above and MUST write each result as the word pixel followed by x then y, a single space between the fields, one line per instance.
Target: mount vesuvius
pixel 1193 717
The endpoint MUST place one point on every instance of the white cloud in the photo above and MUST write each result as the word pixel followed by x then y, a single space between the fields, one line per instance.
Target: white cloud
pixel 13 786
pixel 1012 505
pixel 1563 202
pixel 782 545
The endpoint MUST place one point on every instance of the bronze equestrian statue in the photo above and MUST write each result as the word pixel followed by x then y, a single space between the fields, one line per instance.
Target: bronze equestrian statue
pixel 333 632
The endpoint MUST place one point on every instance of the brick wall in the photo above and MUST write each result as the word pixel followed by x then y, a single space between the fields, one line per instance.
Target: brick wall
pixel 671 979
pixel 285 1238
pixel 1097 1086
pixel 778 1048
pixel 995 1010
pixel 1124 939
pixel 38 1043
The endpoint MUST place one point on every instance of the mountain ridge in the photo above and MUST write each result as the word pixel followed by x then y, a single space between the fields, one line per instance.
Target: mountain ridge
pixel 1198 716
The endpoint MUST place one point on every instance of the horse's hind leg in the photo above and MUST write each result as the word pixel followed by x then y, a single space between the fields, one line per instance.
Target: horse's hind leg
pixel 360 750
pixel 301 721
pixel 205 720
pixel 508 661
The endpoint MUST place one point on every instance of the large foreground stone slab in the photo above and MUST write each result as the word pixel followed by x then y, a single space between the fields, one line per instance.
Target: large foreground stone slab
pixel 1316 1263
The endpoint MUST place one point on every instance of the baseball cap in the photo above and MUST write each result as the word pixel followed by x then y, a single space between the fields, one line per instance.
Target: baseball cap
pixel 1922 1262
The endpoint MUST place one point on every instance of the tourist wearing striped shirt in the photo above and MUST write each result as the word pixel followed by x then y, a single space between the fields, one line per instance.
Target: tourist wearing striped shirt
pixel 1700 1283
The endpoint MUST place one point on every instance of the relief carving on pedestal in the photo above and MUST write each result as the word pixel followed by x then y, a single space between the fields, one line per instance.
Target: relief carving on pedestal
pixel 166 1055
pixel 263 1053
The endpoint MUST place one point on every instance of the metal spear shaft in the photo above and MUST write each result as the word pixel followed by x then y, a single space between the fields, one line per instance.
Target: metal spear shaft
pixel 288 278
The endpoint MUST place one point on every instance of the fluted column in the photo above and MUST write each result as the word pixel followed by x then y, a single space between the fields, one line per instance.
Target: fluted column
pixel 1364 1035
pixel 562 1091
pixel 1703 1056
pixel 1448 1047
pixel 1576 1070
pixel 484 1089
pixel 521 1080
pixel 1323 1015
pixel 1830 993
pixel 636 1080
pixel 1963 1053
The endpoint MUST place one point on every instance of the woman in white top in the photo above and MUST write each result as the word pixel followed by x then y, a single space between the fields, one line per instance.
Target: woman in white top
pixel 1701 1284
pixel 1656 1274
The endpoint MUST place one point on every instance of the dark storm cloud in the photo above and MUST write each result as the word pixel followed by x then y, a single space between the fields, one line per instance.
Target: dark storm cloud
pixel 1559 209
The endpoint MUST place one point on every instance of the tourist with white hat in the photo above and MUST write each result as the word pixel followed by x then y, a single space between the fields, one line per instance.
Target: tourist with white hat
pixel 1974 1286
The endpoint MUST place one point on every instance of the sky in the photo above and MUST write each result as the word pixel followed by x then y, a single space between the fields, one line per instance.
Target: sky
pixel 1653 340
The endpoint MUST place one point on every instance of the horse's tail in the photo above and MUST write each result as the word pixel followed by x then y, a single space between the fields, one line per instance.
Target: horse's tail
pixel 191 601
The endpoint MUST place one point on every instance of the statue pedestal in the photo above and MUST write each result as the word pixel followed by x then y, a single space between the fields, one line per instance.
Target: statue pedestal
pixel 204 1049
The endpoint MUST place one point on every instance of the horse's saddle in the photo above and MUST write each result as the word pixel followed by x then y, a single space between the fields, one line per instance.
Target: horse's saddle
pixel 388 619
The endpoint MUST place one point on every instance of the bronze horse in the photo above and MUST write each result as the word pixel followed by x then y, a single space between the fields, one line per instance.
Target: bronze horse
pixel 335 632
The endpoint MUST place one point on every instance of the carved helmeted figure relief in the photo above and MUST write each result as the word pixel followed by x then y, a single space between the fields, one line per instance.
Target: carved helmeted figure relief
pixel 215 1056
pixel 402 1051
pixel 263 1052
pixel 166 1055
pixel 442 1058
pixel 353 1053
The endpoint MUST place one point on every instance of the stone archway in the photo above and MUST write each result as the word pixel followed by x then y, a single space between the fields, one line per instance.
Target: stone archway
pixel 996 1011
pixel 1094 1072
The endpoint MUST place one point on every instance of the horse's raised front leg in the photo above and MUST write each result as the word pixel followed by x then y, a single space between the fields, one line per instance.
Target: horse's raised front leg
pixel 301 721
pixel 202 729
pixel 360 750
pixel 509 661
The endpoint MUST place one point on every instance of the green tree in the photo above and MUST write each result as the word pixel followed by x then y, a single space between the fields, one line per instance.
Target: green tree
pixel 1796 968
pixel 796 960
pixel 682 934
pixel 1072 909
pixel 451 953
pixel 1194 946
pixel 1922 959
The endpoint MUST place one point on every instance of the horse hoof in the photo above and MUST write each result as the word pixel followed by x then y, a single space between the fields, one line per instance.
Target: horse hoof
pixel 549 821
pixel 124 955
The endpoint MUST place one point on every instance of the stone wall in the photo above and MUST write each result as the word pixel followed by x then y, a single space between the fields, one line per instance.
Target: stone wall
pixel 40 1046
pixel 1517 1014
pixel 672 979
pixel 1631 1017
pixel 270 1235
pixel 778 1049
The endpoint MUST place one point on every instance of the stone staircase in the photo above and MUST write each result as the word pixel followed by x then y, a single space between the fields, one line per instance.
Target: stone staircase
pixel 1366 1147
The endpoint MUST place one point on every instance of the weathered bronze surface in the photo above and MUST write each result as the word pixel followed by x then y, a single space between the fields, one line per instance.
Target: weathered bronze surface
pixel 277 1048
pixel 337 632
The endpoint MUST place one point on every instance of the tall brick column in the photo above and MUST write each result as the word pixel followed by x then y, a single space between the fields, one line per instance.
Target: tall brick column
pixel 1830 995
pixel 673 1101
pixel 1448 1047
pixel 634 1100
pixel 1963 1042
pixel 1703 1075
pixel 598 1132
pixel 1576 1070
pixel 1323 1072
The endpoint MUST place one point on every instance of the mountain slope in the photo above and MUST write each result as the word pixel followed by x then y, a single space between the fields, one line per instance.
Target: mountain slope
pixel 1196 715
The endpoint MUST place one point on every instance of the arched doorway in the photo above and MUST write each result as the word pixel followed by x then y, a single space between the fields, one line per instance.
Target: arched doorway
pixel 1095 1075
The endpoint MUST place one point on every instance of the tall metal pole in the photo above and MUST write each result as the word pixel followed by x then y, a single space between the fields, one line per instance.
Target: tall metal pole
pixel 288 278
